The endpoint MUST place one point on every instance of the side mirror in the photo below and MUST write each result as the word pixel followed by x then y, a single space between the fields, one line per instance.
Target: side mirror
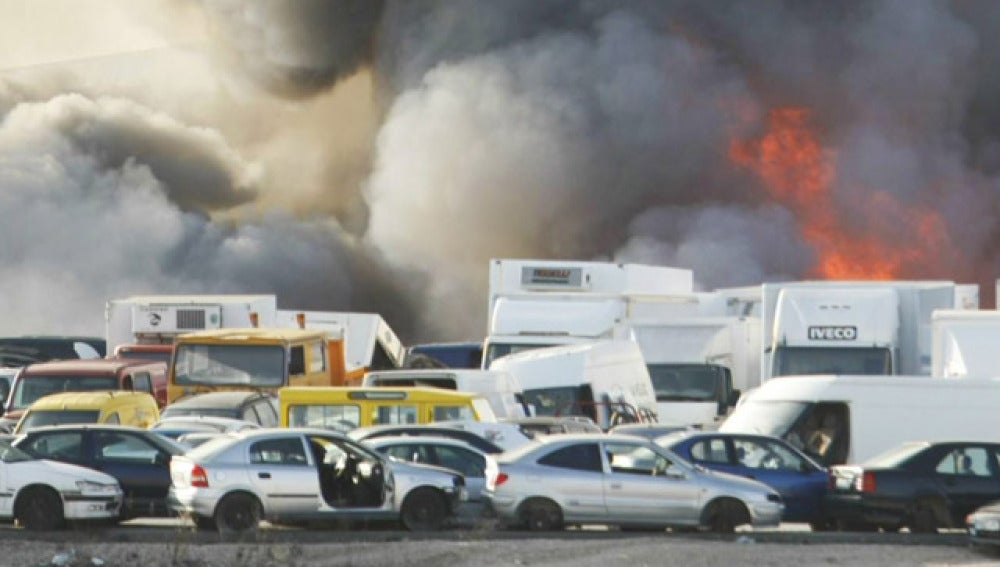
pixel 734 397
pixel 674 473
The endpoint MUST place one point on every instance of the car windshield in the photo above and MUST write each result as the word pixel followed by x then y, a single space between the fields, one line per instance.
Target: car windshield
pixel 896 456
pixel 11 454
pixel 227 365
pixel 39 418
pixel 764 417
pixel 31 388
pixel 686 382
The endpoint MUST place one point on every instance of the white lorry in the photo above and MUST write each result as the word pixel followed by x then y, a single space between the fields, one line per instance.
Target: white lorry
pixel 158 319
pixel 606 381
pixel 872 327
pixel 700 347
pixel 964 343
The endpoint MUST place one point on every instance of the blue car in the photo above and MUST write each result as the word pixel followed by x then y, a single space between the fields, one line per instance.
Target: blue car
pixel 800 480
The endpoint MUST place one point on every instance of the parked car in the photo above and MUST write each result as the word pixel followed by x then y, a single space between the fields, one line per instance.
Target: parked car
pixel 429 429
pixel 621 480
pixel 801 481
pixel 178 426
pixel 256 407
pixel 43 495
pixel 137 458
pixel 451 454
pixel 233 482
pixel 983 525
pixel 115 407
pixel 919 485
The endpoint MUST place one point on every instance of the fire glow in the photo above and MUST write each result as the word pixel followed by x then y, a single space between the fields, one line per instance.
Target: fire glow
pixel 852 240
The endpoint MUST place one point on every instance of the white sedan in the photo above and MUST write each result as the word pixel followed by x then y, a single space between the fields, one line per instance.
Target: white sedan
pixel 42 495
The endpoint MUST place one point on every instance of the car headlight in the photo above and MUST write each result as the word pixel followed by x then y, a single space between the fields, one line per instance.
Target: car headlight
pixel 91 487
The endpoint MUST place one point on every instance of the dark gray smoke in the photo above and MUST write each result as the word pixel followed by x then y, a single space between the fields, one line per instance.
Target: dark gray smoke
pixel 575 130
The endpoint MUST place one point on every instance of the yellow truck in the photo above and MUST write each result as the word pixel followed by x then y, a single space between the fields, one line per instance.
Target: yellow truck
pixel 345 408
pixel 253 359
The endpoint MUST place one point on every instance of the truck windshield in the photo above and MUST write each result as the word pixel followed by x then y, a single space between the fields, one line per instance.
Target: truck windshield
pixel 495 351
pixel 566 400
pixel 31 387
pixel 686 382
pixel 792 361
pixel 230 365
pixel 772 418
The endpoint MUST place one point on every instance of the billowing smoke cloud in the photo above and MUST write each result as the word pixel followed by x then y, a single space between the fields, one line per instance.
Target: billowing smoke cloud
pixel 561 129
pixel 86 220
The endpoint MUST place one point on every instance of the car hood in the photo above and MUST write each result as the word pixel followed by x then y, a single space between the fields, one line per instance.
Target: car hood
pixel 60 475
pixel 736 480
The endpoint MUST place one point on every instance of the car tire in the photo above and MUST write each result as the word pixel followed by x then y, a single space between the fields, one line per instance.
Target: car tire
pixel 40 509
pixel 203 522
pixel 423 510
pixel 724 515
pixel 541 515
pixel 237 513
pixel 922 518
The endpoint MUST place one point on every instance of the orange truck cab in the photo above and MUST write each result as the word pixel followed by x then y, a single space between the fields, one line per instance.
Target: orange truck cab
pixel 41 379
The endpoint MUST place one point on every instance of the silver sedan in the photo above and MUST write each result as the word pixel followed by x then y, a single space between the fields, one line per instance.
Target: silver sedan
pixel 621 480
pixel 231 483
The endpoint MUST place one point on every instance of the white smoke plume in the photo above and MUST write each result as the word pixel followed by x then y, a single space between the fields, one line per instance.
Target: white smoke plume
pixel 375 155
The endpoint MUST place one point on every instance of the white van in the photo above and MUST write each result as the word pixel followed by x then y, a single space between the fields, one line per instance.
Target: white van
pixel 848 419
pixel 499 388
pixel 607 381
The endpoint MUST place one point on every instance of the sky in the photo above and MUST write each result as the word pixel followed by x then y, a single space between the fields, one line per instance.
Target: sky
pixel 367 155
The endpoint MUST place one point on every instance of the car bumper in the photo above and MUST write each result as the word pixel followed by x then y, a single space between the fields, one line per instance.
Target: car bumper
pixel 77 507
pixel 767 514
pixel 193 501
pixel 501 507
pixel 856 509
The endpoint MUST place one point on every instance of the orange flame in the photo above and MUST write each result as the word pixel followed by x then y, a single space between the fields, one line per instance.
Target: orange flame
pixel 854 243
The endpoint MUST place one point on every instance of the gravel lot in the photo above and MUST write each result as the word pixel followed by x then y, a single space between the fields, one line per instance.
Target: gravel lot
pixel 579 550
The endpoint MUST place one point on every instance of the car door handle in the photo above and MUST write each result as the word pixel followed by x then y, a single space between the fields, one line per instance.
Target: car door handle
pixel 264 475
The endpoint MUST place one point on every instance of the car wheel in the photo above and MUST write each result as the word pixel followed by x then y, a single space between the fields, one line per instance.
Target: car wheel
pixel 423 510
pixel 40 509
pixel 724 515
pixel 203 522
pixel 922 519
pixel 237 513
pixel 541 515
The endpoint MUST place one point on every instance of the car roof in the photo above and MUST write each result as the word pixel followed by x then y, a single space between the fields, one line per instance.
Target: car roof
pixel 227 399
pixel 398 439
pixel 87 400
pixel 76 426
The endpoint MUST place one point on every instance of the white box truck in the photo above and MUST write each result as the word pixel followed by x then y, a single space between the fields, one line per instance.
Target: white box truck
pixel 880 328
pixel 848 419
pixel 965 343
pixel 700 347
pixel 606 381
pixel 158 319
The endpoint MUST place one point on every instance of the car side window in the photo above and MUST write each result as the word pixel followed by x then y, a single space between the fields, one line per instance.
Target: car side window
pixel 266 414
pixel 142 383
pixel 123 448
pixel 710 451
pixel 61 446
pixel 634 459
pixel 284 451
pixel 410 452
pixel 580 456
pixel 461 460
pixel 968 461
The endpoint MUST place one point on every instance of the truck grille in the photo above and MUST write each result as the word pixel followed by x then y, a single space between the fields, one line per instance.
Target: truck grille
pixel 190 319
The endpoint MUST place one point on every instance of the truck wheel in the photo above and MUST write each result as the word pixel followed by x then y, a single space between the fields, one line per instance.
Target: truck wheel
pixel 540 515
pixel 40 509
pixel 423 510
pixel 237 513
